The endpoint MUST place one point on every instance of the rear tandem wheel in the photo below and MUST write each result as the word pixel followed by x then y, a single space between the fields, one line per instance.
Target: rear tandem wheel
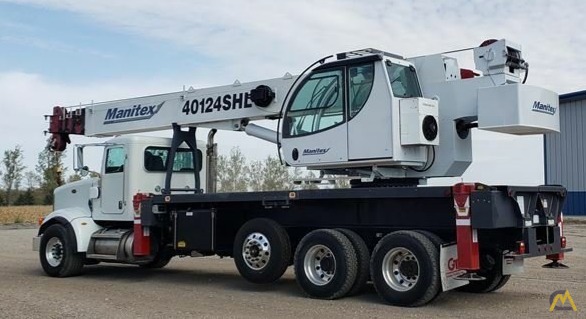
pixel 405 270
pixel 491 265
pixel 325 264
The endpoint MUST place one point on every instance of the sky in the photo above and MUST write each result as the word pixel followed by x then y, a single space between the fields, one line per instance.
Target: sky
pixel 66 52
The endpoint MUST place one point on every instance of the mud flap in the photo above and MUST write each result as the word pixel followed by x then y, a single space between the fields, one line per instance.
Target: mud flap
pixel 448 268
pixel 512 265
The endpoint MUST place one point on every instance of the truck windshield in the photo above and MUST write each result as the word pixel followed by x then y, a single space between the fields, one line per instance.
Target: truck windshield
pixel 403 80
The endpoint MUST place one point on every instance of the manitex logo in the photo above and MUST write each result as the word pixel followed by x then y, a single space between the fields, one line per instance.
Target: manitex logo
pixel 134 113
pixel 315 151
pixel 543 108
pixel 562 297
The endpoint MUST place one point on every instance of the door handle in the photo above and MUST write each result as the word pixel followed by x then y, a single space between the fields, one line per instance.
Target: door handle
pixel 120 204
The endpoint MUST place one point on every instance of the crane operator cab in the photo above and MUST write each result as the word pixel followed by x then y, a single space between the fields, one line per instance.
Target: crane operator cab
pixel 364 109
pixel 375 114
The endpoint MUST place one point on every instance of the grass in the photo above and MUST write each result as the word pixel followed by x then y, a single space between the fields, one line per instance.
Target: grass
pixel 22 214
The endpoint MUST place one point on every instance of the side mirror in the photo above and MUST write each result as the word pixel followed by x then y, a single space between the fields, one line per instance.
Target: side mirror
pixel 84 171
pixel 78 160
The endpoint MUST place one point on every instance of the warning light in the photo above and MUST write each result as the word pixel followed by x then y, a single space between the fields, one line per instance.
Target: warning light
pixel 521 248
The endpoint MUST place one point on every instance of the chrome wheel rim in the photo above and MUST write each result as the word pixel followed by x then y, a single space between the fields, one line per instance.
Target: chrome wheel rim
pixel 400 269
pixel 319 265
pixel 256 251
pixel 54 252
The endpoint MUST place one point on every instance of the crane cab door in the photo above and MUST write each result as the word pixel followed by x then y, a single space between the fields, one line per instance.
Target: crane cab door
pixel 320 128
pixel 112 191
pixel 314 126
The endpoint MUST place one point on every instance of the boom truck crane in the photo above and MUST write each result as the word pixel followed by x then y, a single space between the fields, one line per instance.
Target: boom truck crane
pixel 393 122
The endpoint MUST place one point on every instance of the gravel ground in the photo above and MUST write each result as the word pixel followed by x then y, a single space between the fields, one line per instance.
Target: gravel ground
pixel 212 288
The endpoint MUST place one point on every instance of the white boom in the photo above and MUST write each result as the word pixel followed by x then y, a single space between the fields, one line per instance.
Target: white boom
pixel 222 107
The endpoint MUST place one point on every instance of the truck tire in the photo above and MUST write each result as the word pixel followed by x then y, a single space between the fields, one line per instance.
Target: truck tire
pixel 362 258
pixel 262 250
pixel 58 254
pixel 435 239
pixel 325 264
pixel 405 269
pixel 491 269
pixel 161 260
pixel 91 262
pixel 437 242
pixel 502 282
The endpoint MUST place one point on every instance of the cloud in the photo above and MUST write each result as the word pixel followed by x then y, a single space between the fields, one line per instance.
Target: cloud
pixel 12 25
pixel 57 46
pixel 262 38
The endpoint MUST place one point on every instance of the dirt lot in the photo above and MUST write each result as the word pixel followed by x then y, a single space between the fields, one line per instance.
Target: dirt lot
pixel 211 287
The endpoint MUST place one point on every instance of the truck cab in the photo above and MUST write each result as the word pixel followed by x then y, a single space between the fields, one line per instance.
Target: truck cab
pixel 138 164
pixel 99 210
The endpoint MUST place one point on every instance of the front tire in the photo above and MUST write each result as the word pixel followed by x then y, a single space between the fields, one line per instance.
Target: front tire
pixel 325 264
pixel 58 252
pixel 262 251
pixel 404 269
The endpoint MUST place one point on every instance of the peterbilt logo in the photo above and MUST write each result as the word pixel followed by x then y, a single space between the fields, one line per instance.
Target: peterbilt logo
pixel 315 151
pixel 133 113
pixel 543 108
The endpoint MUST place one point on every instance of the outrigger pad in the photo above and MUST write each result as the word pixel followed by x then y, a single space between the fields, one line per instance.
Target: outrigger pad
pixel 555 264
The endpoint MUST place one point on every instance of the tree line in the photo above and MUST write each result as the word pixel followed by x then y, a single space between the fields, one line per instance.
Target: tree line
pixel 39 182
pixel 236 174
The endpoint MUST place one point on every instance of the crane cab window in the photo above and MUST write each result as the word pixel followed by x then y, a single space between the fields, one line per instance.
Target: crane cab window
pixel 115 158
pixel 360 81
pixel 403 80
pixel 156 159
pixel 317 105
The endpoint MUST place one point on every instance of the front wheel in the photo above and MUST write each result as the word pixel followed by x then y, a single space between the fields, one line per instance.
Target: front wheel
pixel 58 254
